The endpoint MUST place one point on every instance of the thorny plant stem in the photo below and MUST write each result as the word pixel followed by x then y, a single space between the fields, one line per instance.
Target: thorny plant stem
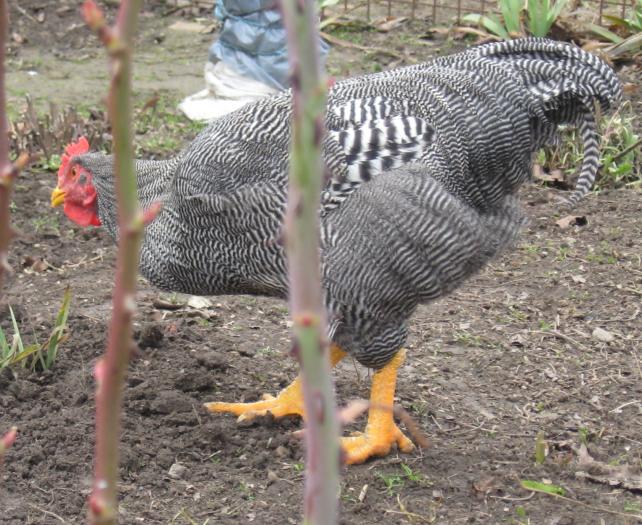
pixel 6 169
pixel 110 370
pixel 302 243
pixel 6 441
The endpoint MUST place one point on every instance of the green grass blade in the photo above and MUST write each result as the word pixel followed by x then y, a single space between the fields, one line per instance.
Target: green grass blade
pixel 535 16
pixel 21 356
pixel 4 346
pixel 632 44
pixel 540 449
pixel 554 12
pixel 604 33
pixel 57 334
pixel 537 486
pixel 511 12
pixel 491 25
pixel 17 338
pixel 616 20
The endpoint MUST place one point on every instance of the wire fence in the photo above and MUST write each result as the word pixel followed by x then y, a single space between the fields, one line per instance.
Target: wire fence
pixel 444 11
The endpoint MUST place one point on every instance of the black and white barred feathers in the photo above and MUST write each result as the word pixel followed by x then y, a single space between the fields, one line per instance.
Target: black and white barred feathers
pixel 423 165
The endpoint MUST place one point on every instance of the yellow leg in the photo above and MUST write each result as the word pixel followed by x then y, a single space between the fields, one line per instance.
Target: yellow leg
pixel 381 431
pixel 288 402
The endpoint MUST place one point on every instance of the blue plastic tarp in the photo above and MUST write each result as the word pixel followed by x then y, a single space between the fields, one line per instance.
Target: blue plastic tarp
pixel 252 40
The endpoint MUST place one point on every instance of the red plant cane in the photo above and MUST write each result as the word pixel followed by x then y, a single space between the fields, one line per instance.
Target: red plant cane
pixel 302 244
pixel 110 369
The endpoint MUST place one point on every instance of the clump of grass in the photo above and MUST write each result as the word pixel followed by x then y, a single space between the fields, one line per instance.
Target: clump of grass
pixel 620 158
pixel 161 129
pixel 535 17
pixel 620 28
pixel 395 481
pixel 37 355
pixel 45 135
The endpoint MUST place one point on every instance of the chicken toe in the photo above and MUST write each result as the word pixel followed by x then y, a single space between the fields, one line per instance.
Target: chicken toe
pixel 381 431
pixel 288 402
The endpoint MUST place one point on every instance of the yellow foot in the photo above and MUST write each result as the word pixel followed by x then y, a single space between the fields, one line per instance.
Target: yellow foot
pixel 381 431
pixel 288 402
pixel 361 447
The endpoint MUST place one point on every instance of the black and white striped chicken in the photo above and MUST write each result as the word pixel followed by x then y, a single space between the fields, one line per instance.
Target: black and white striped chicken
pixel 424 163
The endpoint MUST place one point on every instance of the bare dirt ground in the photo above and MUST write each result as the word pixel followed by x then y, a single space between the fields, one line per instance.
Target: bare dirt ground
pixel 510 355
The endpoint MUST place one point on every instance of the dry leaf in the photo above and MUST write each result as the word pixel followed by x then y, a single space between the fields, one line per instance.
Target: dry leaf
pixel 571 220
pixel 151 103
pixel 161 304
pixel 192 27
pixel 484 485
pixel 552 176
pixel 602 335
pixel 198 302
pixel 517 340
pixel 387 24
pixel 578 279
pixel 624 476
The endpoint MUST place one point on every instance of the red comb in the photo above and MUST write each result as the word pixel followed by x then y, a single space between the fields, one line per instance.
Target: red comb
pixel 73 149
pixel 77 148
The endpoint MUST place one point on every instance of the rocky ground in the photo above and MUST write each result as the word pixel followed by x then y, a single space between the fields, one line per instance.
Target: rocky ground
pixel 546 341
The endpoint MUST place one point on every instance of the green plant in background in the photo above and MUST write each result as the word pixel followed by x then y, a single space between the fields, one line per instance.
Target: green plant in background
pixel 540 17
pixel 512 15
pixel 624 26
pixel 42 355
pixel 159 127
pixel 395 481
pixel 620 155
pixel 392 482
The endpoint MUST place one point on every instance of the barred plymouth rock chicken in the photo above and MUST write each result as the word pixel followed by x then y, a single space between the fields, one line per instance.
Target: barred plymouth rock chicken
pixel 424 163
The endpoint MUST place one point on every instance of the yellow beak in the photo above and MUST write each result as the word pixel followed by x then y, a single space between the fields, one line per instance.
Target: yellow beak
pixel 57 197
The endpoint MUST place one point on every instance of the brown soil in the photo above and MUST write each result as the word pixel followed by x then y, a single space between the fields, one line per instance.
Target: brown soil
pixel 508 356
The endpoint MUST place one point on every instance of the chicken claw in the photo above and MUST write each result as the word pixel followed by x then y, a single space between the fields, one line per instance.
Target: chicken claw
pixel 381 431
pixel 288 402
pixel 359 448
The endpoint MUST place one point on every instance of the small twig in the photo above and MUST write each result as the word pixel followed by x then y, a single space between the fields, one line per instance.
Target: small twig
pixel 508 498
pixel 413 428
pixel 412 515
pixel 587 506
pixel 620 319
pixel 177 8
pixel 627 150
pixel 333 20
pixel 47 512
pixel 560 335
pixel 619 408
pixel 24 12
pixel 376 50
